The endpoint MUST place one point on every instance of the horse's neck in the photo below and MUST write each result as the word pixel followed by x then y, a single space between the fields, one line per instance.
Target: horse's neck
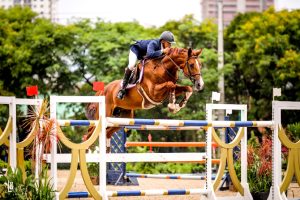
pixel 172 64
pixel 164 70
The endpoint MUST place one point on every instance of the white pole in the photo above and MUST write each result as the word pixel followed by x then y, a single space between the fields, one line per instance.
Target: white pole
pixel 208 154
pixel 221 63
pixel 102 143
pixel 221 53
pixel 54 145
pixel 13 135
pixel 38 150
pixel 244 155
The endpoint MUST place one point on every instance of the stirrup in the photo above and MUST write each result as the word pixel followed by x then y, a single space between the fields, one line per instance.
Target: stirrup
pixel 121 94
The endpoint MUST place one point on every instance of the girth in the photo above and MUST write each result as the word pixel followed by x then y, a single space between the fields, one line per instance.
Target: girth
pixel 147 102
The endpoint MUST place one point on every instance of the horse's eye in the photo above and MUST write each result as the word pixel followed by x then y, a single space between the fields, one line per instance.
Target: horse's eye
pixel 191 65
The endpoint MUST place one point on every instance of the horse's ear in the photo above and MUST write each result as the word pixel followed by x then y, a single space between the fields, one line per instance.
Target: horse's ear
pixel 190 52
pixel 198 52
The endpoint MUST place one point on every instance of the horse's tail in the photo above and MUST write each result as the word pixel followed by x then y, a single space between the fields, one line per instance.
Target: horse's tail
pixel 91 110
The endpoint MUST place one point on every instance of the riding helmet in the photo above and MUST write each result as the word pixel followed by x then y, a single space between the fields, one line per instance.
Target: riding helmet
pixel 168 36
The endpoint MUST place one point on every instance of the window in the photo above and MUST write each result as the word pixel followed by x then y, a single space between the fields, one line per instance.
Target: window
pixel 229 6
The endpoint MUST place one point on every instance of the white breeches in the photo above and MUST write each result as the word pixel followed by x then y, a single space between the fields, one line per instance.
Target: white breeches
pixel 132 60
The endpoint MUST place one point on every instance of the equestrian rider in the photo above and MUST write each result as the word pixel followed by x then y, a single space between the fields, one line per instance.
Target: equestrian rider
pixel 145 48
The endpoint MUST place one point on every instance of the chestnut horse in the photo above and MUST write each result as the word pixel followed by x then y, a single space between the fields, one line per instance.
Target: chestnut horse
pixel 157 84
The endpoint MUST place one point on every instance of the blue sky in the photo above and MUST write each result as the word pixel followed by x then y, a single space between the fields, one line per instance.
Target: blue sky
pixel 154 12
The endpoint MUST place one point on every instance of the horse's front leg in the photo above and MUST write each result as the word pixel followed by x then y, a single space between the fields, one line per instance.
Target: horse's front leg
pixel 172 102
pixel 187 90
pixel 167 88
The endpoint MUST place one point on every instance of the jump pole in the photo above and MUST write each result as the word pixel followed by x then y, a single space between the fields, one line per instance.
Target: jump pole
pixel 167 176
pixel 168 144
pixel 120 122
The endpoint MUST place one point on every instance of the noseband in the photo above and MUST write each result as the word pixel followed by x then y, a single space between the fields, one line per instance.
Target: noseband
pixel 190 75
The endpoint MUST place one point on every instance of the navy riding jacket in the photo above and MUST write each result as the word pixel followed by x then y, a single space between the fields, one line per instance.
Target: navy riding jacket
pixel 148 48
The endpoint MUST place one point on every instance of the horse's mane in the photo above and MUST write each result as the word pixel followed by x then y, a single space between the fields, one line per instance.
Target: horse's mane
pixel 172 52
pixel 177 51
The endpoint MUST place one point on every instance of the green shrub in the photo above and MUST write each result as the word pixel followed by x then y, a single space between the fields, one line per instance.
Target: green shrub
pixel 93 169
pixel 294 131
pixel 3 165
pixel 12 186
pixel 165 168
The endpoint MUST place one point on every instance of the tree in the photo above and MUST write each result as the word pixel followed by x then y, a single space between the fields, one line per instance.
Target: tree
pixel 32 52
pixel 264 50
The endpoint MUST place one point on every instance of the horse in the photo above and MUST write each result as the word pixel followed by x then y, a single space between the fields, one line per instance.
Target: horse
pixel 159 82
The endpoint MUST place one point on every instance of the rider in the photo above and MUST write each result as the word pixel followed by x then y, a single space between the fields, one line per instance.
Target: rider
pixel 148 48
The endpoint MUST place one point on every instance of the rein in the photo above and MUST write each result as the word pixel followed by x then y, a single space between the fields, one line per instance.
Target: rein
pixel 171 75
pixel 190 75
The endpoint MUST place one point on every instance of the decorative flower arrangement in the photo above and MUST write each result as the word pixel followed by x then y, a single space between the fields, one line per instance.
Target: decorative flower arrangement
pixel 15 185
pixel 43 130
pixel 259 165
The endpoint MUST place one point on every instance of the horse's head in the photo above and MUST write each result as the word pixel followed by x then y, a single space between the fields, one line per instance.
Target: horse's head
pixel 192 69
pixel 187 61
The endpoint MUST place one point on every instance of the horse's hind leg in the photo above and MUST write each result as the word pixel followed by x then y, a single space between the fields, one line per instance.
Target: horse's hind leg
pixel 172 101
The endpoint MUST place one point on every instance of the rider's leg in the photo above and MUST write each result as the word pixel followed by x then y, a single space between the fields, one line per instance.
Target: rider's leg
pixel 128 70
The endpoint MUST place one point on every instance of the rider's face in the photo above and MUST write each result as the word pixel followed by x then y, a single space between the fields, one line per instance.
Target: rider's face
pixel 166 44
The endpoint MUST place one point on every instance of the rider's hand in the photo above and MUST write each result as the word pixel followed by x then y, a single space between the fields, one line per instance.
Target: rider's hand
pixel 166 50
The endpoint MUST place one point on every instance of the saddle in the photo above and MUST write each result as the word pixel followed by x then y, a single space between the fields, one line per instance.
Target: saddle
pixel 134 80
pixel 136 75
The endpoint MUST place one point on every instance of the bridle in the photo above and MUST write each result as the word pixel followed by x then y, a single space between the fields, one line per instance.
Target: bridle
pixel 190 75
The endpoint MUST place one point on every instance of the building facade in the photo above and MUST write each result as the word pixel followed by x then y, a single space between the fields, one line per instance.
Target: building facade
pixel 232 7
pixel 45 8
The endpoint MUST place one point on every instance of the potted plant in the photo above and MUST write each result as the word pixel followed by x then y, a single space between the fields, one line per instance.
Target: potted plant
pixel 259 167
pixel 93 169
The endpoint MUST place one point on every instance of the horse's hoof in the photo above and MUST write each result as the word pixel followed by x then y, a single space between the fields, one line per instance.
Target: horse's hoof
pixel 171 110
pixel 171 107
pixel 177 108
pixel 174 108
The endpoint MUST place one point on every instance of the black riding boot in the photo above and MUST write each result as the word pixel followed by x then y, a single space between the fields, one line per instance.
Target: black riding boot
pixel 122 91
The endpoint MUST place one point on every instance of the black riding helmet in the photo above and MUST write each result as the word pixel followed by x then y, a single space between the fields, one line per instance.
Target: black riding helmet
pixel 168 36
